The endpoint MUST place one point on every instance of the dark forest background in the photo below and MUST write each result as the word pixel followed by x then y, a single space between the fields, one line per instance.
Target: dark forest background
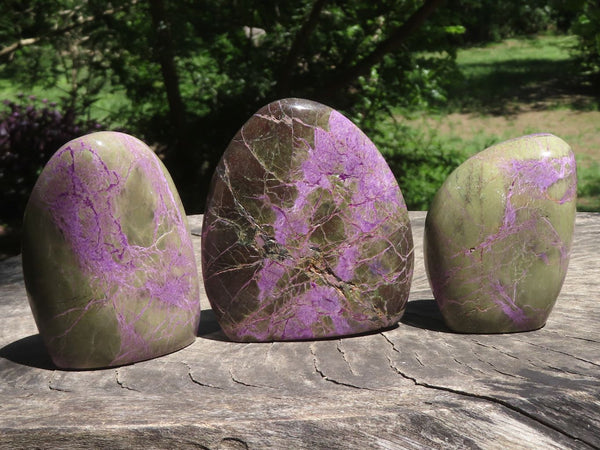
pixel 184 75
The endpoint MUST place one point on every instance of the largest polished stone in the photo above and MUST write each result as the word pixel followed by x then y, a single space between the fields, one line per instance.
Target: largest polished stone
pixel 108 261
pixel 306 234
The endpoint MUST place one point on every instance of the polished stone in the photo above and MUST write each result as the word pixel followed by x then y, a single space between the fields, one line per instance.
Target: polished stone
pixel 108 261
pixel 498 235
pixel 306 234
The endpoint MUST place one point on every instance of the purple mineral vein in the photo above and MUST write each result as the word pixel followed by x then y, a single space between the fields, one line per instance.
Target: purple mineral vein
pixel 270 274
pixel 347 263
pixel 542 173
pixel 507 302
pixel 316 303
pixel 524 174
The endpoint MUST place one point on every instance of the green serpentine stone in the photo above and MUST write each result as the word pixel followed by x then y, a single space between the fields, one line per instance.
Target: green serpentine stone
pixel 306 234
pixel 498 235
pixel 107 258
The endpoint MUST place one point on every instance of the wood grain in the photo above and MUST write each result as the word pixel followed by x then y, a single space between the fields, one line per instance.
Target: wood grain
pixel 414 386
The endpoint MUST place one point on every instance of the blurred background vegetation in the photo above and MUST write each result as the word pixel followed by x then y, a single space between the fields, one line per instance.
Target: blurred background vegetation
pixel 430 81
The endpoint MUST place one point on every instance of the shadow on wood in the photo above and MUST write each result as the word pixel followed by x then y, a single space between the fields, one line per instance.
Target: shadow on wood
pixel 29 351
pixel 425 314
pixel 209 328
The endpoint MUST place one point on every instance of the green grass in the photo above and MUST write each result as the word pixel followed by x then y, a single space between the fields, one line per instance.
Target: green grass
pixel 588 186
pixel 540 71
pixel 518 87
pixel 547 48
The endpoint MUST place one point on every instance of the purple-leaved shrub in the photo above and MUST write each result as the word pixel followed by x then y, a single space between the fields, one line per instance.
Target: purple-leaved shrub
pixel 31 130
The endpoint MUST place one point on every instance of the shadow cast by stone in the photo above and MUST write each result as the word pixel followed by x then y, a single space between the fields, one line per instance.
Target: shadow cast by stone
pixel 28 351
pixel 425 314
pixel 209 328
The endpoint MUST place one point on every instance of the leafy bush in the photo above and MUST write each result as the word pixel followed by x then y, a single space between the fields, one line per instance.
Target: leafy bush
pixel 420 163
pixel 31 130
pixel 587 28
pixel 492 20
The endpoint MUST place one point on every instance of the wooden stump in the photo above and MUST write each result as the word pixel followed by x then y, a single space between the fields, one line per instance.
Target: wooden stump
pixel 414 386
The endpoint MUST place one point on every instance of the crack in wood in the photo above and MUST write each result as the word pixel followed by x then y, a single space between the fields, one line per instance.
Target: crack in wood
pixel 122 384
pixel 58 389
pixel 569 372
pixel 506 374
pixel 329 379
pixel 236 381
pixel 483 397
pixel 418 359
pixel 469 367
pixel 233 443
pixel 195 381
pixel 54 388
pixel 564 353
pixel 493 366
pixel 493 347
pixel 594 341
pixel 343 353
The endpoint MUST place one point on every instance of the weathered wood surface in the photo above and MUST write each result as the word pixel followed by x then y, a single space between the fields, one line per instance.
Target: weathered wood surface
pixel 414 386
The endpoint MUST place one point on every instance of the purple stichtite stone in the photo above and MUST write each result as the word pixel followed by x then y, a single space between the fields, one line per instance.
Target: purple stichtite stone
pixel 306 234
pixel 498 235
pixel 107 258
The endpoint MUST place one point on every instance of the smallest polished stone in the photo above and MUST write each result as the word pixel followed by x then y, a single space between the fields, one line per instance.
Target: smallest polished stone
pixel 498 235
pixel 107 258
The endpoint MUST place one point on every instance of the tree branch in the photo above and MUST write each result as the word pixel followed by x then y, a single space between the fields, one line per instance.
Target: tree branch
pixel 9 49
pixel 81 21
pixel 283 84
pixel 342 77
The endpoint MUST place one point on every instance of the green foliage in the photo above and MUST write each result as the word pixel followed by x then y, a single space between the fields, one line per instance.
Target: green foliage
pixel 587 27
pixel 492 20
pixel 420 161
pixel 185 75
pixel 533 84
pixel 227 59
pixel 68 63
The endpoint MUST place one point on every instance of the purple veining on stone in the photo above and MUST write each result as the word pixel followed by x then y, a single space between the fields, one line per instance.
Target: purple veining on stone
pixel 124 238
pixel 498 235
pixel 303 218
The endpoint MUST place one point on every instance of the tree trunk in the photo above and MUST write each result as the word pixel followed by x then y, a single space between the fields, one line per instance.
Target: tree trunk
pixel 178 157
pixel 165 52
